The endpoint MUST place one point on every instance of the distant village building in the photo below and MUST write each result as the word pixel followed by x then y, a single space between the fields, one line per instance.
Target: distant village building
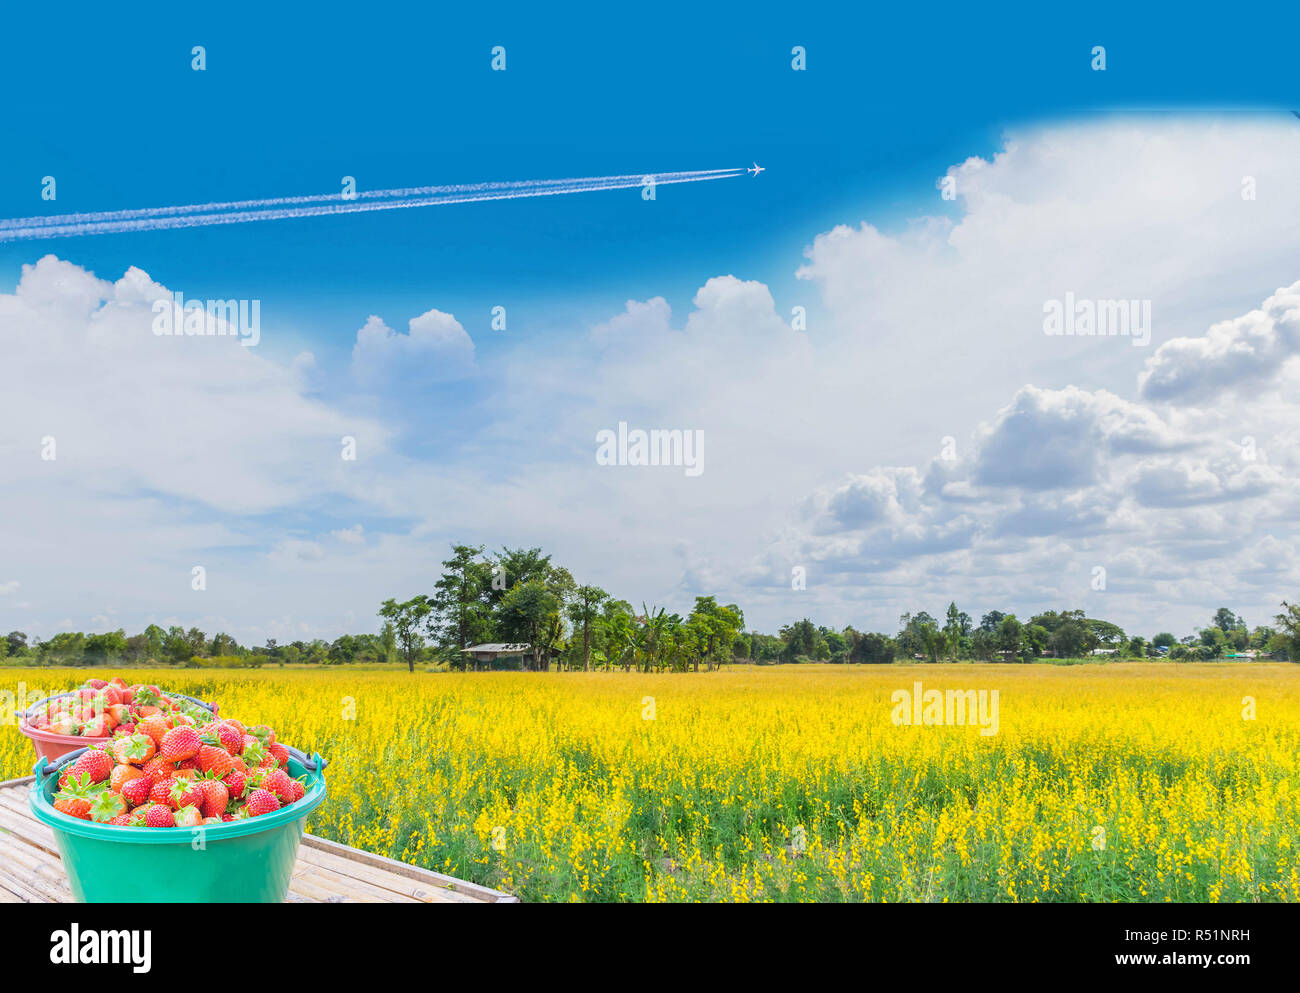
pixel 487 655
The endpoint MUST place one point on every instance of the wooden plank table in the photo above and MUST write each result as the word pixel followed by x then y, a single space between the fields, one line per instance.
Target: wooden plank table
pixel 31 870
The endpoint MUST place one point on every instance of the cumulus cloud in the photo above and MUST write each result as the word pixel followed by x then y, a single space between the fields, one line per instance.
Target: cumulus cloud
pixel 1247 351
pixel 435 349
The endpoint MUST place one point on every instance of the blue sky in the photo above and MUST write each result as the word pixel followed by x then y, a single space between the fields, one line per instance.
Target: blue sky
pixel 891 101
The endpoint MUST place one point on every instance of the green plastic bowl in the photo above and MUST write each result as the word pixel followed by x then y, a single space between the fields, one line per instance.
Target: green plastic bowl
pixel 244 861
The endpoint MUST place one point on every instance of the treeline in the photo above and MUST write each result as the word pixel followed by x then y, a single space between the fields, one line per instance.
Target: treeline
pixel 1004 637
pixel 193 648
pixel 518 596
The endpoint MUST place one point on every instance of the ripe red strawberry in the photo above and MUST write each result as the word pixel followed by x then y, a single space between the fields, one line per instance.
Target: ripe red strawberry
pixel 161 791
pixel 227 817
pixel 263 734
pixel 277 782
pixel 231 739
pixel 121 820
pixel 215 759
pixel 191 764
pixel 96 684
pixel 75 798
pixel 137 791
pixel 215 797
pixel 159 768
pixel 299 790
pixel 96 764
pixel 231 722
pixel 179 743
pixel 188 816
pixel 261 802
pixel 280 753
pixel 235 783
pixel 106 806
pixel 159 815
pixel 184 793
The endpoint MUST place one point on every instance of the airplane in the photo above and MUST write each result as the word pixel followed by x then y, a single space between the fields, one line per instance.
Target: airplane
pixel 756 170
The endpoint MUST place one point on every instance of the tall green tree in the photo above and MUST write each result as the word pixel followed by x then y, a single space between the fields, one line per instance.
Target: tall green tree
pixel 584 612
pixel 406 619
pixel 460 611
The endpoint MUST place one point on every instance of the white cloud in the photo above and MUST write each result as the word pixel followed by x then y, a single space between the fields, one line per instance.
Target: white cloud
pixel 1247 351
pixel 435 349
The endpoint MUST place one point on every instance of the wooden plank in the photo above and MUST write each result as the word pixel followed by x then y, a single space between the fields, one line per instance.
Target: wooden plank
pixel 483 893
pixel 22 865
pixel 403 887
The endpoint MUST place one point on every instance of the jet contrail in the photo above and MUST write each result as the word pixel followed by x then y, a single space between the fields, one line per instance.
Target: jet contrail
pixel 281 208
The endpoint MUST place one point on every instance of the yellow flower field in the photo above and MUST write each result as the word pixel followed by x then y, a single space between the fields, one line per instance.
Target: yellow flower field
pixel 1133 782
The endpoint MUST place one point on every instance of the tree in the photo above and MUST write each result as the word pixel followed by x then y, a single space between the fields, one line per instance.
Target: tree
pixel 386 643
pixel 17 642
pixel 460 608
pixel 1225 620
pixel 1163 640
pixel 524 613
pixel 952 629
pixel 406 619
pixel 515 566
pixel 102 649
pixel 1070 639
pixel 1010 633
pixel 715 630
pixel 800 640
pixel 990 621
pixel 1288 624
pixel 584 610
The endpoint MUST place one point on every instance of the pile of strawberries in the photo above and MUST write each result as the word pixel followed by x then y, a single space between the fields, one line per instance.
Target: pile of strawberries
pixel 99 708
pixel 173 770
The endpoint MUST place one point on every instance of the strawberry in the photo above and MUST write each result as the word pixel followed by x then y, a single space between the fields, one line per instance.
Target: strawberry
pixel 280 753
pixel 75 798
pixel 235 782
pixel 106 806
pixel 231 739
pixel 135 750
pixel 63 724
pixel 231 722
pixel 95 763
pixel 120 713
pixel 215 796
pixel 186 719
pixel 137 791
pixel 159 768
pixel 121 820
pixel 184 793
pixel 253 752
pixel 161 791
pixel 263 734
pixel 121 775
pixel 215 759
pixel 261 802
pixel 299 790
pixel 179 743
pixel 277 782
pixel 159 815
pixel 95 684
pixel 188 816
pixel 96 727
pixel 155 727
